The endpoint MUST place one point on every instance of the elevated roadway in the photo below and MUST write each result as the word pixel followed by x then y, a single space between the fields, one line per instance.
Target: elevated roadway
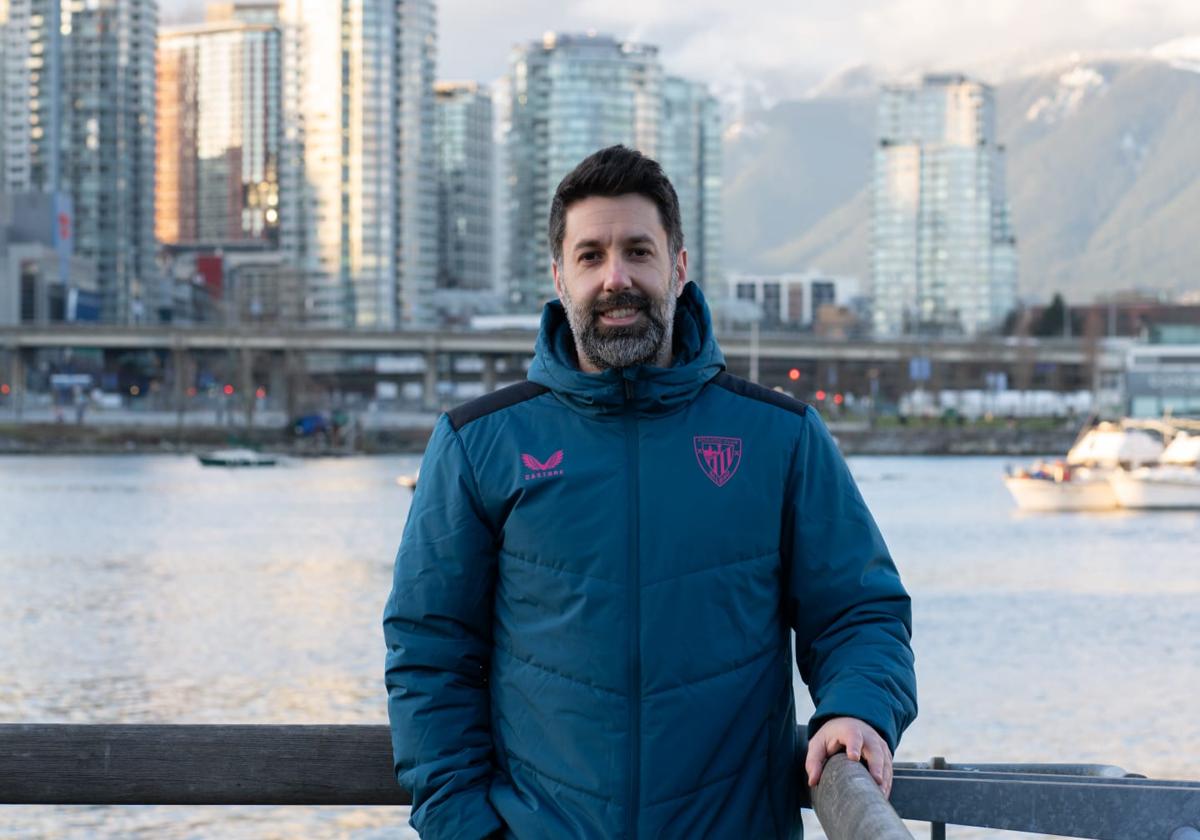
pixel 771 347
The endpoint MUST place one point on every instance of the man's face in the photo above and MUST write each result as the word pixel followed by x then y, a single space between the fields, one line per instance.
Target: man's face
pixel 618 283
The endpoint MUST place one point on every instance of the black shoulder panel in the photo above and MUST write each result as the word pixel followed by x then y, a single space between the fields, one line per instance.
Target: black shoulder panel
pixel 743 388
pixel 489 403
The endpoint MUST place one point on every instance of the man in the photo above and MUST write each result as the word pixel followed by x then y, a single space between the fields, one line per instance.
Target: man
pixel 590 625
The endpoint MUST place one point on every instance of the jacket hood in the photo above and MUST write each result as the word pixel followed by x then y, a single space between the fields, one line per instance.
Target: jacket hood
pixel 650 390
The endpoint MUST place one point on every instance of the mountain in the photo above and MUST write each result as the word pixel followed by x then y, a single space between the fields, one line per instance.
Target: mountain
pixel 1103 176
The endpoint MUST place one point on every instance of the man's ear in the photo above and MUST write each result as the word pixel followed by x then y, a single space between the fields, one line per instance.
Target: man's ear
pixel 680 272
pixel 558 290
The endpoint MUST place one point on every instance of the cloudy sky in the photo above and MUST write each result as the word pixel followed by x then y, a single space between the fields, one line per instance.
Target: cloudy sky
pixel 788 45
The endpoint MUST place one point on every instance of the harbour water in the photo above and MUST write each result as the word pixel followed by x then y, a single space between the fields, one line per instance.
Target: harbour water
pixel 146 589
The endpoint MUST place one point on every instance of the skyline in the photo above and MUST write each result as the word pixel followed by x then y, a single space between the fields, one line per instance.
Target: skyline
pixel 734 48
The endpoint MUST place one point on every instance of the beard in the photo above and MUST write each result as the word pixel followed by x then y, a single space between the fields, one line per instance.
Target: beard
pixel 640 343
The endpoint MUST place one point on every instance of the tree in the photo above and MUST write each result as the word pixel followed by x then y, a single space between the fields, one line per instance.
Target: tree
pixel 1052 322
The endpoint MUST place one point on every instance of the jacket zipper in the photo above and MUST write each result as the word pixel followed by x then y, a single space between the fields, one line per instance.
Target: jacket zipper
pixel 633 577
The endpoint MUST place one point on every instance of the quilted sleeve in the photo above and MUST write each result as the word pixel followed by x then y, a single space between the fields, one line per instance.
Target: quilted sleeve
pixel 851 614
pixel 437 626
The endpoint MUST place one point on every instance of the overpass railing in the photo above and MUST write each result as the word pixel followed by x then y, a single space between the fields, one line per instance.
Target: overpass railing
pixel 67 764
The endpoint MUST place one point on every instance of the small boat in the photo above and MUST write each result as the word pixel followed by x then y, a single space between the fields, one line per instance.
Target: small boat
pixel 1081 480
pixel 236 458
pixel 1171 483
pixel 409 481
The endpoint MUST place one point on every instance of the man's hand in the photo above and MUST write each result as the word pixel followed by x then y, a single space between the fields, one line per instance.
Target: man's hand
pixel 859 740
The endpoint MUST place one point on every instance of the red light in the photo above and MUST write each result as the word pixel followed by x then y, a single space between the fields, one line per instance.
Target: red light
pixel 820 396
pixel 229 390
pixel 837 399
pixel 793 374
pixel 261 393
pixel 4 389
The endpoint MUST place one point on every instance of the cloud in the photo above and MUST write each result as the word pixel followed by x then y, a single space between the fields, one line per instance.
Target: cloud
pixel 792 43
pixel 713 37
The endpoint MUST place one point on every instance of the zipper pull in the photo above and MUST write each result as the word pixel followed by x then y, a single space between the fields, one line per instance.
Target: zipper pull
pixel 628 390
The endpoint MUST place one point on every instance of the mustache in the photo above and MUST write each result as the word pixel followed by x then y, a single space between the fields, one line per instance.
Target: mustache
pixel 619 300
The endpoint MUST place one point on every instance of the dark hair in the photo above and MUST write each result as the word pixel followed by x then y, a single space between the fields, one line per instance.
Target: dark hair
pixel 615 171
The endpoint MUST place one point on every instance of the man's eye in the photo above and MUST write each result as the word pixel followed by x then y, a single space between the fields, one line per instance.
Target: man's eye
pixel 589 256
pixel 639 252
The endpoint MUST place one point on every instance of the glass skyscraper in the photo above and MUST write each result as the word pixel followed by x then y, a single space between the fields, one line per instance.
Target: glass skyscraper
pixel 464 144
pixel 359 109
pixel 690 154
pixel 943 249
pixel 220 129
pixel 78 77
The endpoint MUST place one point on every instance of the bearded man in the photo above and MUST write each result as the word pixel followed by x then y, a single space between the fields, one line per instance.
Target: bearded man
pixel 592 616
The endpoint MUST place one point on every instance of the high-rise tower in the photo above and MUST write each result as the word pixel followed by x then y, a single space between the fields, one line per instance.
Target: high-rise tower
pixel 79 84
pixel 690 154
pixel 220 128
pixel 359 105
pixel 943 250
pixel 465 173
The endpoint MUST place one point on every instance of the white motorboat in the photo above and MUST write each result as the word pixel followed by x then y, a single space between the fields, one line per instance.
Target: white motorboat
pixel 409 480
pixel 1171 483
pixel 1081 480
pixel 236 458
pixel 1056 487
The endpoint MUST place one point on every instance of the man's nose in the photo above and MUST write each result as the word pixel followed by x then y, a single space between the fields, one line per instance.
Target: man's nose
pixel 617 277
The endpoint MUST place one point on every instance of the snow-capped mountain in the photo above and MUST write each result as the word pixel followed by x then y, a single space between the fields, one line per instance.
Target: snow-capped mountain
pixel 1103 157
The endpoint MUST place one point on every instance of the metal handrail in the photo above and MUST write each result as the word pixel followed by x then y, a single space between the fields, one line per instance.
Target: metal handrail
pixel 851 806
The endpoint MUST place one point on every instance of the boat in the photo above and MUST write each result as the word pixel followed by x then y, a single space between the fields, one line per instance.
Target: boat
pixel 409 481
pixel 236 458
pixel 1081 480
pixel 1172 483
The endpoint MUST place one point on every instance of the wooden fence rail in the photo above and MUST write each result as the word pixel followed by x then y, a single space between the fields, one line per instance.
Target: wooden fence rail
pixel 56 764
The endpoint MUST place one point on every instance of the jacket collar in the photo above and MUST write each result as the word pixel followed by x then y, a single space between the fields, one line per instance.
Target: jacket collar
pixel 647 389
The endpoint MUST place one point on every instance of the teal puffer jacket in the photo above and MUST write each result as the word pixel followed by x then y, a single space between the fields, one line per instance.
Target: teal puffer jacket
pixel 589 630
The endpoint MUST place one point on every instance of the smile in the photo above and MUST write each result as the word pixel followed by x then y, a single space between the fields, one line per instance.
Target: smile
pixel 620 316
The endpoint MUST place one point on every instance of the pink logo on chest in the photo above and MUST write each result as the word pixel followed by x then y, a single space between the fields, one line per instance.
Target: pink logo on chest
pixel 718 457
pixel 540 469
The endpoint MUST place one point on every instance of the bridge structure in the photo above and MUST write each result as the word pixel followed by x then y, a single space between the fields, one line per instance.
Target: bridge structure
pixel 288 362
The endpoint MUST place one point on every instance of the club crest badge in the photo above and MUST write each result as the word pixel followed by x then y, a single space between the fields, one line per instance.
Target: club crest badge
pixel 718 457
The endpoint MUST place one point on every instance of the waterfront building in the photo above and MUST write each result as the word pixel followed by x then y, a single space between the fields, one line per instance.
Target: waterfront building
pixel 1162 377
pixel 220 129
pixel 943 249
pixel 569 95
pixel 465 173
pixel 359 106
pixel 792 301
pixel 78 122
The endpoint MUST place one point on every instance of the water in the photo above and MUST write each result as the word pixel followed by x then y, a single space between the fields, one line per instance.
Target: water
pixel 150 590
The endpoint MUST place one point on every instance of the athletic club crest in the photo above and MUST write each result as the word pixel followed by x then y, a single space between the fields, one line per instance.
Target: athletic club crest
pixel 718 457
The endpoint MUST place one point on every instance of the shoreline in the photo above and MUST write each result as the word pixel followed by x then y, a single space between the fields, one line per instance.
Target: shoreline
pixel 36 439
